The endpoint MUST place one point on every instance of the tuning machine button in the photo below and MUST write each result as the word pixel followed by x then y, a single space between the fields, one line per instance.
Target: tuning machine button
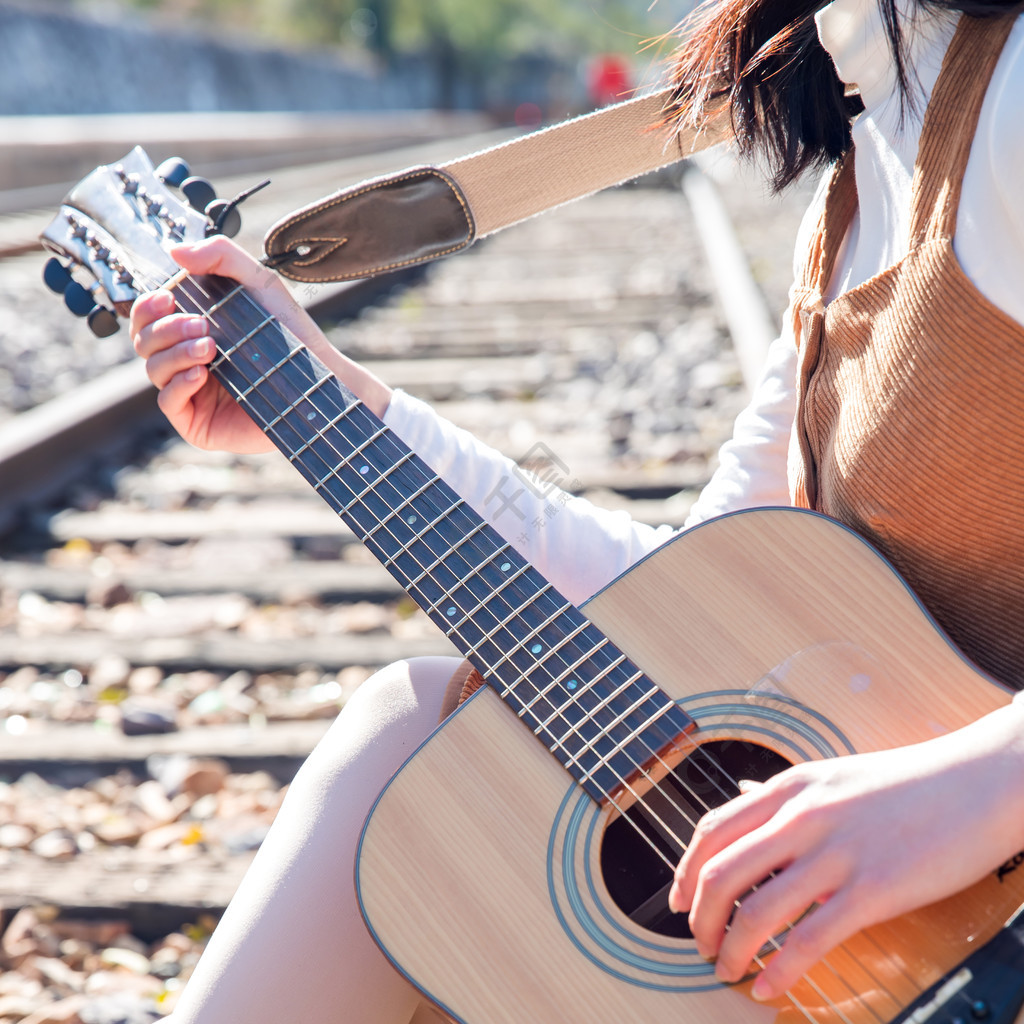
pixel 102 321
pixel 232 219
pixel 173 172
pixel 78 299
pixel 56 276
pixel 199 193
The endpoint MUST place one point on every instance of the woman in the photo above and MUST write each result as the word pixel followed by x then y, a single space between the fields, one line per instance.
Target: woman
pixel 857 415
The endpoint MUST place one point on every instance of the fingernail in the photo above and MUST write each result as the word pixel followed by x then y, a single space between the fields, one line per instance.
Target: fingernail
pixel 761 990
pixel 201 347
pixel 705 952
pixel 724 976
pixel 196 327
pixel 193 373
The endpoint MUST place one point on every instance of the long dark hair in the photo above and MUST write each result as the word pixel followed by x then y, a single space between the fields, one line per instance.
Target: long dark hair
pixel 786 100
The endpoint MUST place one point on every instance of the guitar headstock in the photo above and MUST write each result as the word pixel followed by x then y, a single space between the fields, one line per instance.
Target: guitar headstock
pixel 115 229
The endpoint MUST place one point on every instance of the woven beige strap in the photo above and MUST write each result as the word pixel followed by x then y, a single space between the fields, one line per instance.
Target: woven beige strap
pixel 516 180
pixel 421 213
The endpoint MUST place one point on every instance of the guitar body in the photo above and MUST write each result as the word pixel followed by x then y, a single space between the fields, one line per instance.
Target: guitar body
pixel 480 871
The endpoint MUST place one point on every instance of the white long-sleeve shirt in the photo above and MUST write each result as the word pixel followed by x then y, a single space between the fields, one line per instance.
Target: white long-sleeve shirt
pixel 583 548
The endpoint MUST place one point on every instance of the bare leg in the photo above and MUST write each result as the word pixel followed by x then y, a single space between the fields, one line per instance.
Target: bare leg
pixel 292 946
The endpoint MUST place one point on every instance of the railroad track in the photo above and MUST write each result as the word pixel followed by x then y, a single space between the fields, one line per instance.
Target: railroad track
pixel 217 596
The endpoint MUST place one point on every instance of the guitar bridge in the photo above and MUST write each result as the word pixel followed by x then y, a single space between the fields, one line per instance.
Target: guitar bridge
pixel 988 986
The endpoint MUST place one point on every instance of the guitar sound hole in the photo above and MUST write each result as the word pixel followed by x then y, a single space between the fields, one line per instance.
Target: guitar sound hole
pixel 637 878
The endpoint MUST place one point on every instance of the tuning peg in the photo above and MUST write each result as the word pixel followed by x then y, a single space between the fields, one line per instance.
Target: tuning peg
pixel 199 193
pixel 232 219
pixel 173 171
pixel 103 322
pixel 56 276
pixel 78 299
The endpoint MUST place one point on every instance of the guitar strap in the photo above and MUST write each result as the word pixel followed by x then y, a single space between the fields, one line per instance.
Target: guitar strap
pixel 421 213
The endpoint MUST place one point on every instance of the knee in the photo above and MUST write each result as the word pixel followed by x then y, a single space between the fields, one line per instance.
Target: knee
pixel 410 687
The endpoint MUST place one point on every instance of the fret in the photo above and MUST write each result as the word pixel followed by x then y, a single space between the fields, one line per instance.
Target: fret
pixel 572 666
pixel 621 688
pixel 306 396
pixel 620 747
pixel 569 669
pixel 357 498
pixel 222 357
pixel 319 434
pixel 612 696
pixel 346 462
pixel 535 634
pixel 406 502
pixel 508 618
pixel 419 536
pixel 262 379
pixel 495 592
pixel 446 514
pixel 217 306
pixel 440 560
pixel 603 674
pixel 574 700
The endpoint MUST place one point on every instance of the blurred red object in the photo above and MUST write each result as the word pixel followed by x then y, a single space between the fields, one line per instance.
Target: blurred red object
pixel 609 80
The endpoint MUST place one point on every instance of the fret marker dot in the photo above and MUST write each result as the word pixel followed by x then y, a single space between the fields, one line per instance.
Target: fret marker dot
pixel 505 566
pixel 411 520
pixel 572 684
pixel 537 648
pixel 255 357
pixel 310 415
pixel 364 470
pixel 451 612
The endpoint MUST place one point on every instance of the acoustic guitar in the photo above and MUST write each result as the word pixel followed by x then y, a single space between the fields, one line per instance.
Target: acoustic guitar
pixel 517 868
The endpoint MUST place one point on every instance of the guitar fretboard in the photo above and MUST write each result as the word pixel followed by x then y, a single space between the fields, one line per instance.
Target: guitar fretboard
pixel 585 701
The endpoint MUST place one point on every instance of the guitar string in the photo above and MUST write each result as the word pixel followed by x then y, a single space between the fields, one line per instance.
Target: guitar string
pixel 558 743
pixel 677 840
pixel 680 843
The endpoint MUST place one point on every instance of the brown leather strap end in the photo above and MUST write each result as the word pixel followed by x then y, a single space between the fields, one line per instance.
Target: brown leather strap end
pixel 379 225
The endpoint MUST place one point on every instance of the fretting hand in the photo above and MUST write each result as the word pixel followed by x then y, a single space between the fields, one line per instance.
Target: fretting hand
pixel 177 348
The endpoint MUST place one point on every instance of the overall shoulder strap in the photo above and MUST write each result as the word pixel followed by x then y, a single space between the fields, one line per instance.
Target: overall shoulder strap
pixel 950 123
pixel 422 213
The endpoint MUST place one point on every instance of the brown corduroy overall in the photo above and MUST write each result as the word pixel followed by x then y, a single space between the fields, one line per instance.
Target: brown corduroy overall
pixel 910 417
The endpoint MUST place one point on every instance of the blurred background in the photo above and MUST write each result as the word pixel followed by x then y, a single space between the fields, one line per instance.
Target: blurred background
pixel 178 628
pixel 107 56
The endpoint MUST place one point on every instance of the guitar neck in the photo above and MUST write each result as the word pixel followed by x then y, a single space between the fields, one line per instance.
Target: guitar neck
pixel 589 705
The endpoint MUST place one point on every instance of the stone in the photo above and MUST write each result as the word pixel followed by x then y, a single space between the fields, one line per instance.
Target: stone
pixel 64 1011
pixel 111 671
pixel 149 720
pixel 57 844
pixel 150 798
pixel 204 777
pixel 129 959
pixel 123 1008
pixel 16 837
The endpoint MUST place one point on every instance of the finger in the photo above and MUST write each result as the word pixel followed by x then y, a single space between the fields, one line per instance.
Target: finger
pixel 768 914
pixel 716 831
pixel 811 940
pixel 169 331
pixel 727 878
pixel 149 308
pixel 174 399
pixel 164 365
pixel 220 255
